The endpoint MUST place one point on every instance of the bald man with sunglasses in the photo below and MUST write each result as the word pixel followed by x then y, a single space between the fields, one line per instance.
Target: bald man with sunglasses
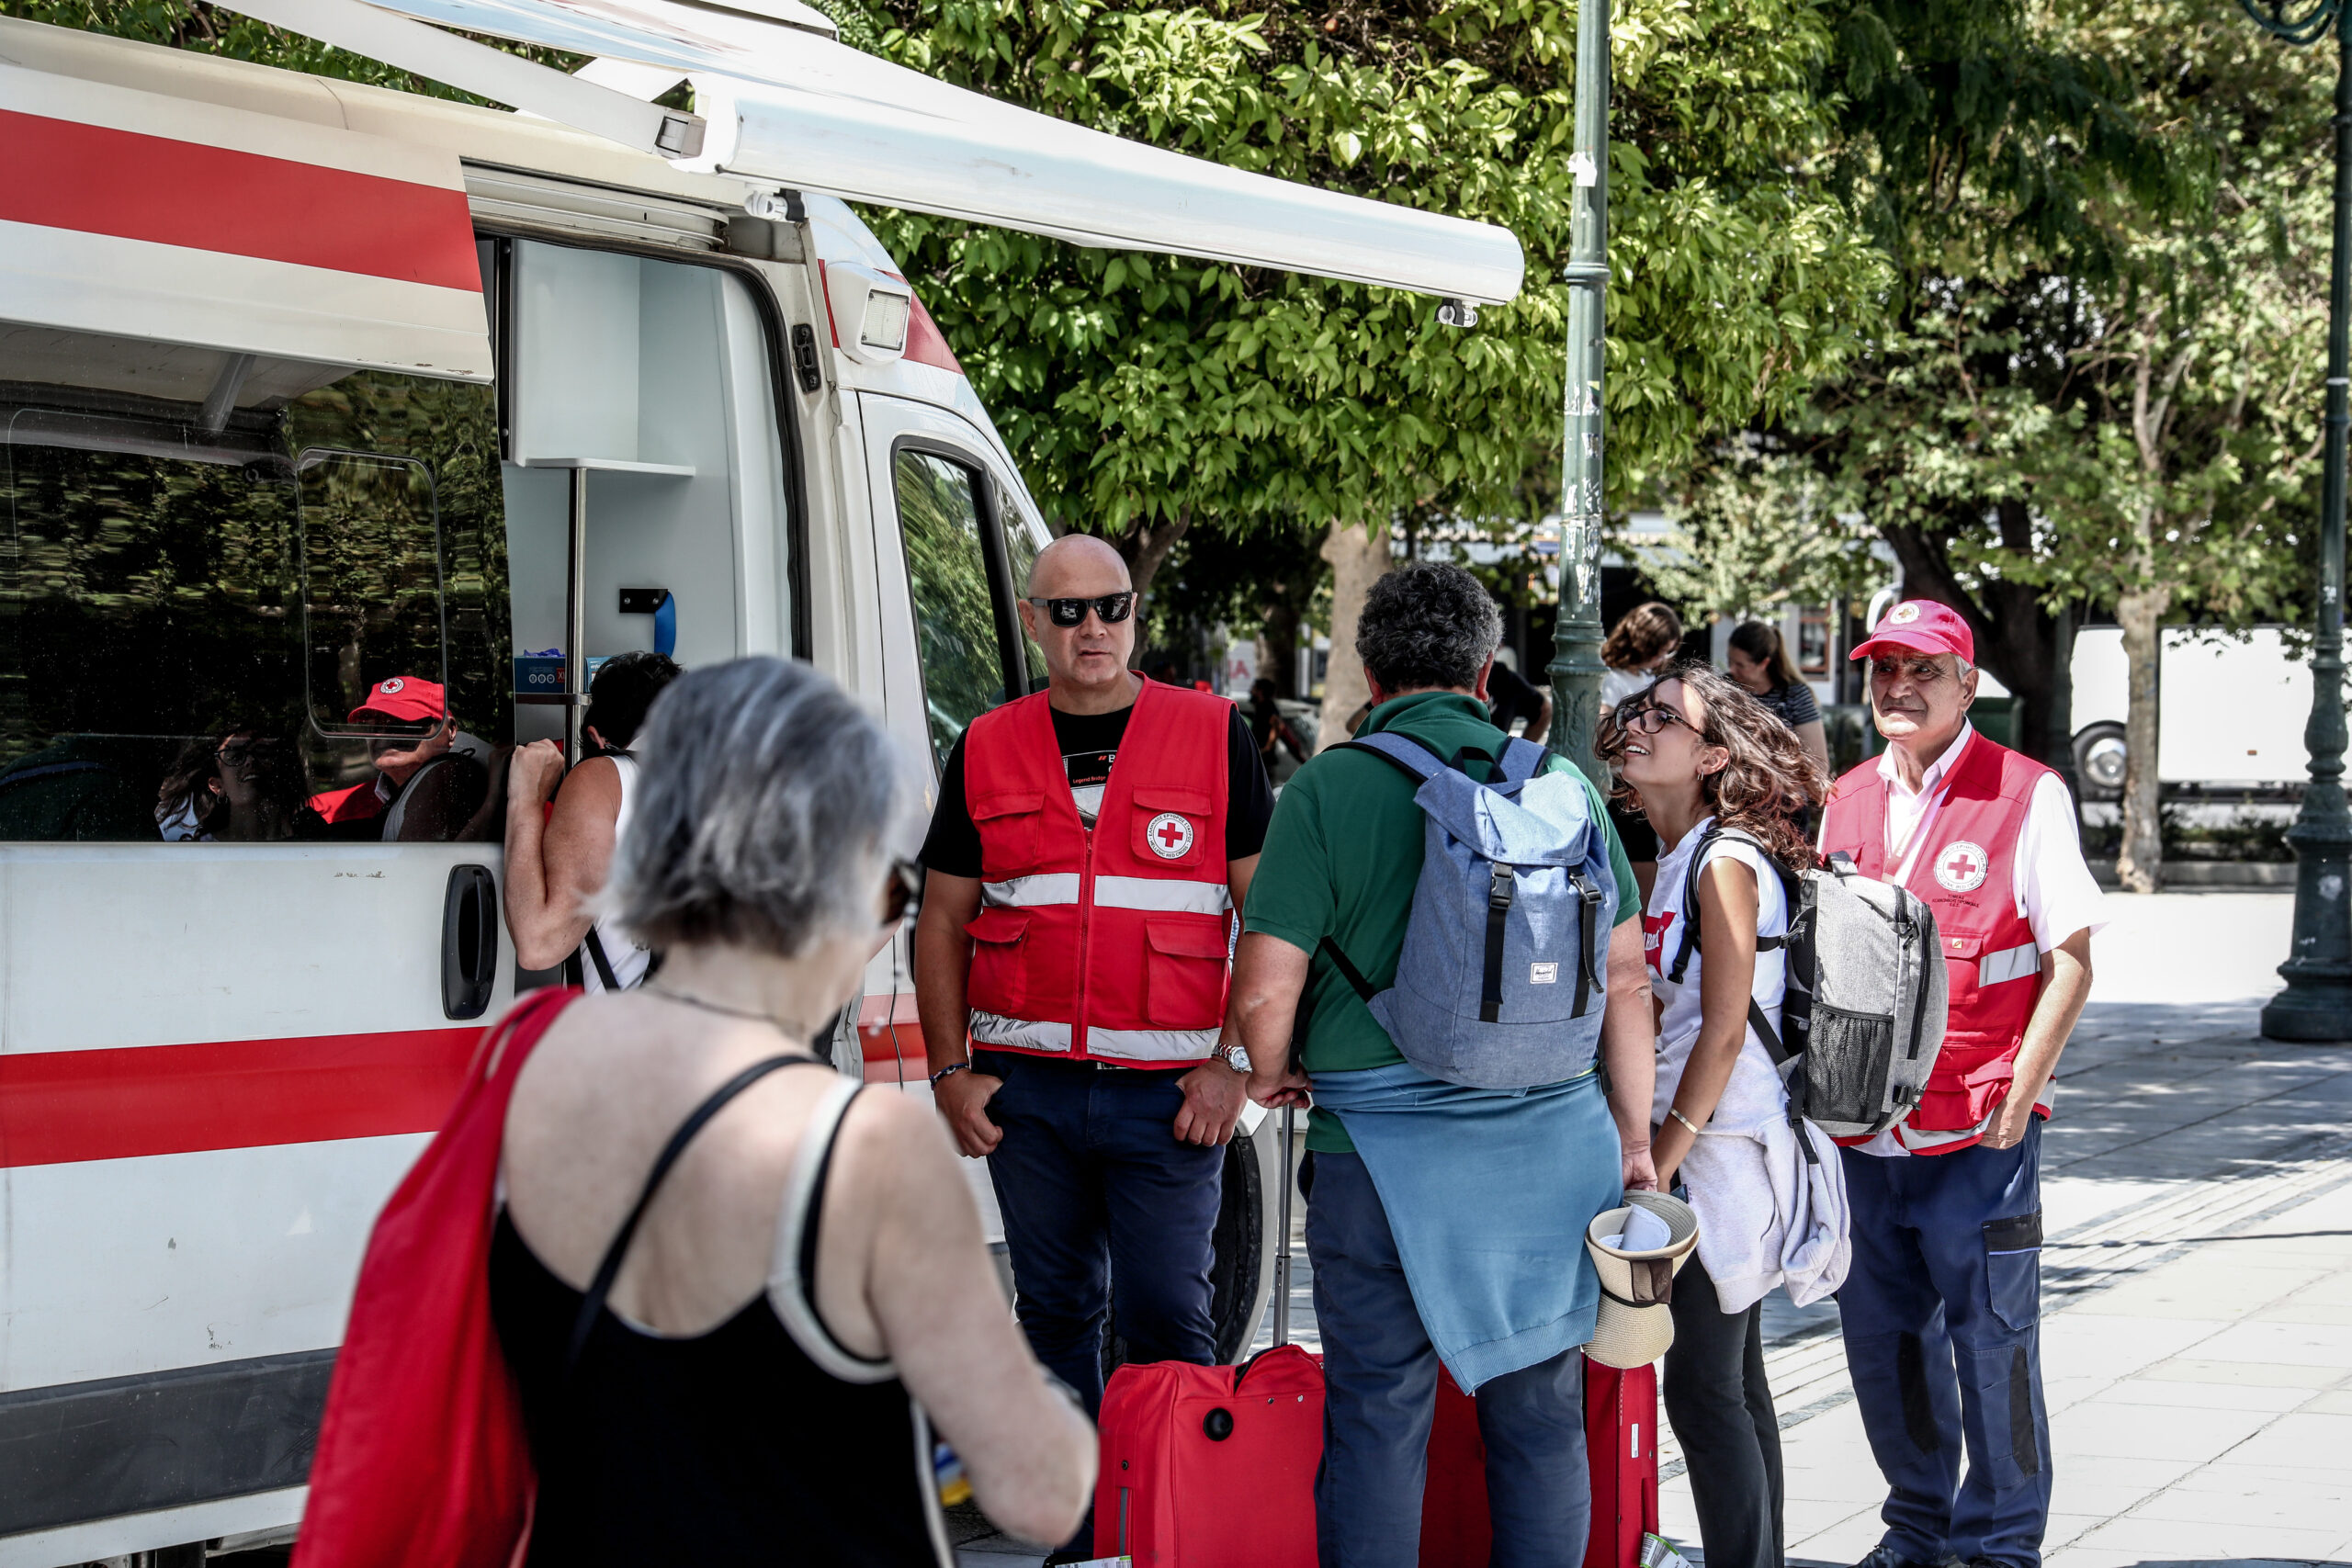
pixel 1090 844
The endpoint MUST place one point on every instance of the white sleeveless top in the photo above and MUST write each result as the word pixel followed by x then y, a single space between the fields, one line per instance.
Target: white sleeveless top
pixel 629 960
pixel 1754 1095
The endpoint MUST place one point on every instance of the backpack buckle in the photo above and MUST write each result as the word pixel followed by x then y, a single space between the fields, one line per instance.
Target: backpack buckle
pixel 1500 890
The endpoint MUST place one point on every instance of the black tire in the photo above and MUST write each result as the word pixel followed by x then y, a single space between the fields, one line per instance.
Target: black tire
pixel 2099 757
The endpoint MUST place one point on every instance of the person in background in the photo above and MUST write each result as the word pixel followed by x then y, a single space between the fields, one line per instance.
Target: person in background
pixel 1641 645
pixel 807 1298
pixel 1511 697
pixel 1703 756
pixel 1070 966
pixel 1509 1179
pixel 1272 731
pixel 556 864
pixel 431 785
pixel 243 787
pixel 1942 1312
pixel 1759 660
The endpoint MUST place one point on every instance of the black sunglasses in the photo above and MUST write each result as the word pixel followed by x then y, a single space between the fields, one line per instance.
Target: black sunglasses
pixel 1112 607
pixel 903 893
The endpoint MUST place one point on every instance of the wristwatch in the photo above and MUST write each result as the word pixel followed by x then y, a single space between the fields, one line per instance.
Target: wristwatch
pixel 1233 1054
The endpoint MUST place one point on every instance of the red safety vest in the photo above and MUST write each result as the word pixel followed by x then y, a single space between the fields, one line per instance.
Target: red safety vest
pixel 1109 945
pixel 1963 867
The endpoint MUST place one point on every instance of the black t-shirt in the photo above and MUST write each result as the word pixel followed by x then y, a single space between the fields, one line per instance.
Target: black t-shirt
pixel 1090 741
pixel 1511 696
pixel 1793 703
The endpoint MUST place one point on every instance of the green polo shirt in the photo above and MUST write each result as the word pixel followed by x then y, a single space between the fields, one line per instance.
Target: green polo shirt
pixel 1341 859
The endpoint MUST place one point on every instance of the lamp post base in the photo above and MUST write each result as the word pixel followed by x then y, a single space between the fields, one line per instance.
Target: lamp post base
pixel 2316 1006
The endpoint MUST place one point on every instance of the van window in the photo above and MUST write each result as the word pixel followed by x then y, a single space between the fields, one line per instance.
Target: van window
pixel 171 518
pixel 1023 540
pixel 956 614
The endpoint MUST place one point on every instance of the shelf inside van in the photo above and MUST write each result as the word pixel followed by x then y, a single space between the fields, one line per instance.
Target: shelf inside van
pixel 613 466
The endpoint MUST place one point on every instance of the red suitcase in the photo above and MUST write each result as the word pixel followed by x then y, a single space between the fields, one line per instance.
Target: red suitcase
pixel 1621 1445
pixel 1621 1442
pixel 1212 1467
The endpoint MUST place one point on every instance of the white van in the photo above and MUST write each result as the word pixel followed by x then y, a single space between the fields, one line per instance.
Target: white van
pixel 312 390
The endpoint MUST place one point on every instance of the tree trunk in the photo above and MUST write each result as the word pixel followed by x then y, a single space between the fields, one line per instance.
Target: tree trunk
pixel 2140 866
pixel 1282 648
pixel 1358 557
pixel 1145 545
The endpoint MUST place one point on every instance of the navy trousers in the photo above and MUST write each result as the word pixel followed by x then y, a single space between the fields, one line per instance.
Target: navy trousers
pixel 1942 1316
pixel 1380 1396
pixel 1104 1212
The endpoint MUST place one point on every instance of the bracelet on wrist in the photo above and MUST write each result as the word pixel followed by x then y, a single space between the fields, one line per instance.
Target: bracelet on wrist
pixel 1678 1115
pixel 949 1070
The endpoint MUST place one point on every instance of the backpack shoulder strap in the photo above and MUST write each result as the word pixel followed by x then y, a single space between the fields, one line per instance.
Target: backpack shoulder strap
pixel 609 1269
pixel 1348 972
pixel 1419 762
pixel 1521 760
pixel 1690 901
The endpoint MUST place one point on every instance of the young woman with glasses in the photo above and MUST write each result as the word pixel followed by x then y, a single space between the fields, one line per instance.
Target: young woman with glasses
pixel 1718 776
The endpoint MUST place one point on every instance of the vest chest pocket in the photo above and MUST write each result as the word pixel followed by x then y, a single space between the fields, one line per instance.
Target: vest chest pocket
pixel 1172 826
pixel 1184 973
pixel 998 937
pixel 1009 823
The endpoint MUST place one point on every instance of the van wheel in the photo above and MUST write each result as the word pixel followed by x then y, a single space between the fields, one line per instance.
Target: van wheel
pixel 2099 759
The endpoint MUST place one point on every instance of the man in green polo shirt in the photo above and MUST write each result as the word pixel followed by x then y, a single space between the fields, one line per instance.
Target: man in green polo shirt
pixel 1514 1176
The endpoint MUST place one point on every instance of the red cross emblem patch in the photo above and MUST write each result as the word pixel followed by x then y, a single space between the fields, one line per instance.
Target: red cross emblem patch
pixel 1170 836
pixel 1960 867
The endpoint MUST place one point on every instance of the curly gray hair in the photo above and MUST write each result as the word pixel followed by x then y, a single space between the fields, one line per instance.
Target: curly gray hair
pixel 1427 624
pixel 769 806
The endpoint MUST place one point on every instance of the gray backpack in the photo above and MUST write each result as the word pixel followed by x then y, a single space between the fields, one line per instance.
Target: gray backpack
pixel 1862 1019
pixel 1499 984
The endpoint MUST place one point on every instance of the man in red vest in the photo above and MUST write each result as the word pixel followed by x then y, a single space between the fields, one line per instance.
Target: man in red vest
pixel 1091 843
pixel 1942 1309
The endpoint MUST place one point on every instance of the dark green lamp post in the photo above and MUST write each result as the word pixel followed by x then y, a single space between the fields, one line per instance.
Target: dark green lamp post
pixel 1576 659
pixel 2317 1002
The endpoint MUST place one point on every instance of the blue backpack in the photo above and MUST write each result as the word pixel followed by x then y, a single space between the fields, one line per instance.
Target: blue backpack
pixel 1499 984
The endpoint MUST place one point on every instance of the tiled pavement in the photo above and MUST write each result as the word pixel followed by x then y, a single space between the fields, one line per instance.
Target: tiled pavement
pixel 2198 1287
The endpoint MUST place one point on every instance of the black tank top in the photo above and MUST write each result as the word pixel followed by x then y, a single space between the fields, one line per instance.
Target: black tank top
pixel 754 1442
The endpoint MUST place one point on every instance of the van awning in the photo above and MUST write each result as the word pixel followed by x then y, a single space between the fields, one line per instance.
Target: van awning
pixel 131 215
pixel 786 103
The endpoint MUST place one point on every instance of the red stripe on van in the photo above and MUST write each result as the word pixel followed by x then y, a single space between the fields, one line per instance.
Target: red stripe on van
pixel 926 345
pixel 92 178
pixel 61 1107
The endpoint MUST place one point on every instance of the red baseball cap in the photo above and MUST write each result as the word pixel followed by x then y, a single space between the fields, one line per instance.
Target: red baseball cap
pixel 404 698
pixel 1921 626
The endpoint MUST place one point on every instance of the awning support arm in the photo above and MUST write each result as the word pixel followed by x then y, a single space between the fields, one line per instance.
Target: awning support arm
pixel 489 72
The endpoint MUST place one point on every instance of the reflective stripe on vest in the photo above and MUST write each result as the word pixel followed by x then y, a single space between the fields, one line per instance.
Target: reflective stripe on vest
pixel 2011 963
pixel 1151 1044
pixel 1027 892
pixel 1110 892
pixel 1019 1034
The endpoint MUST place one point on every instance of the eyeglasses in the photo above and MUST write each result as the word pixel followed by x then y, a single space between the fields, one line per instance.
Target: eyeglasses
pixel 902 893
pixel 1112 607
pixel 1651 717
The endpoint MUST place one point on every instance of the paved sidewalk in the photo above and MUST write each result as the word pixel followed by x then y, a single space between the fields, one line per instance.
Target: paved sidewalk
pixel 2197 1285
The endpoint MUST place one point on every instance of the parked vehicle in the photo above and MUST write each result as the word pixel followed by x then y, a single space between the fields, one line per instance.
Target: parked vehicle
pixel 314 394
pixel 2230 711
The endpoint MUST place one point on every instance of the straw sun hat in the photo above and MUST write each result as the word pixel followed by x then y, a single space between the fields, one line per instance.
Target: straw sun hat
pixel 1634 1326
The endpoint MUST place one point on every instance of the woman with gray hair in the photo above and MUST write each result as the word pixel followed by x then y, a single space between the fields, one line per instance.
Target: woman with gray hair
pixel 738 1299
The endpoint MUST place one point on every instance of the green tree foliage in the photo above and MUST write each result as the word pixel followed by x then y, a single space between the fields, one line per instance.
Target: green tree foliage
pixel 1142 392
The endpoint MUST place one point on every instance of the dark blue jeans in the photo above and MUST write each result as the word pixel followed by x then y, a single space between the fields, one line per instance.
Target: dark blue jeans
pixel 1105 1212
pixel 1942 1319
pixel 1379 1396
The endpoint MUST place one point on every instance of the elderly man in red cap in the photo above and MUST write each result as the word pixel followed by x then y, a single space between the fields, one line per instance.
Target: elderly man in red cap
pixel 1941 1313
pixel 427 786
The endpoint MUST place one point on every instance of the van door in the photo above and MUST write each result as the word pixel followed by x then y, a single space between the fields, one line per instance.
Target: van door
pixel 248 905
pixel 964 537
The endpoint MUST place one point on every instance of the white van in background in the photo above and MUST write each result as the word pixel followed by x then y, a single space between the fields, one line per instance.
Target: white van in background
pixel 311 389
pixel 2230 711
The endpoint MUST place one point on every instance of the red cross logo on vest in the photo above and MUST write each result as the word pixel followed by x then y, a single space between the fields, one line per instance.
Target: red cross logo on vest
pixel 1961 866
pixel 1170 836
